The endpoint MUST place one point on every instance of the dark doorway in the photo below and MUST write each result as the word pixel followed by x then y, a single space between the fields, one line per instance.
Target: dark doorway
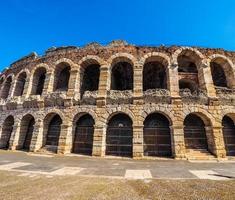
pixel 122 76
pixel 218 75
pixel 6 88
pixel 38 81
pixel 7 129
pixel 119 136
pixel 229 135
pixel 195 133
pixel 83 139
pixel 157 136
pixel 62 76
pixel 53 132
pixel 154 76
pixel 26 132
pixel 90 79
pixel 20 84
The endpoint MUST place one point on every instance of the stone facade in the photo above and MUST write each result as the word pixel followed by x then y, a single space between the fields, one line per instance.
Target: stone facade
pixel 208 102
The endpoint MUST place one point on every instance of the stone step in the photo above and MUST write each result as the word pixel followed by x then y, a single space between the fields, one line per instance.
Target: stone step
pixel 48 149
pixel 199 154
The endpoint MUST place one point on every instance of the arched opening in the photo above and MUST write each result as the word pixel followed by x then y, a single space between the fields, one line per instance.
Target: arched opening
pixel 62 75
pixel 119 136
pixel 186 84
pixel 7 129
pixel 38 81
pixel 26 132
pixel 122 76
pixel 229 135
pixel 195 133
pixel 1 82
pixel 6 88
pixel 188 73
pixel 52 128
pixel 218 75
pixel 154 76
pixel 157 136
pixel 90 78
pixel 83 139
pixel 20 84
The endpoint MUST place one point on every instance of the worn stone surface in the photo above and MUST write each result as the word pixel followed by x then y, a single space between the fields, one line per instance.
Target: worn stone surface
pixel 211 103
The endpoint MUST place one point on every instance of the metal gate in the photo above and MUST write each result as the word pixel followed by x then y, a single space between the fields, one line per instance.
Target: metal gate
pixel 157 141
pixel 119 141
pixel 195 137
pixel 53 132
pixel 83 141
pixel 6 135
pixel 229 140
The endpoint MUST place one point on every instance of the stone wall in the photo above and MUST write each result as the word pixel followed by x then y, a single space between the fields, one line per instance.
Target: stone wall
pixel 106 103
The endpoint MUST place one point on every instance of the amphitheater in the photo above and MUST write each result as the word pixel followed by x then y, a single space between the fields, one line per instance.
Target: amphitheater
pixel 121 100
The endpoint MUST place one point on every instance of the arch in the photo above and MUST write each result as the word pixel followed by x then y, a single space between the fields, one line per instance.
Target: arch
pixel 119 136
pixel 157 135
pixel 193 53
pixel 83 136
pixel 26 132
pixel 52 129
pixel 122 74
pixel 155 73
pixel 6 87
pixel 122 57
pixel 89 75
pixel 228 128
pixel 39 77
pixel 7 128
pixel 20 83
pixel 91 59
pixel 62 76
pixel 67 62
pixel 222 71
pixel 155 56
pixel 195 136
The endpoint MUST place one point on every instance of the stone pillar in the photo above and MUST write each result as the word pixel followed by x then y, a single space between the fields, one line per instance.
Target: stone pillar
pixel 216 142
pixel 177 141
pixel 15 135
pixel 1 142
pixel 104 85
pixel 138 84
pixel 173 80
pixel 205 80
pixel 12 88
pixel 99 141
pixel 65 144
pixel 73 87
pixel 138 141
pixel 28 86
pixel 49 83
pixel 37 137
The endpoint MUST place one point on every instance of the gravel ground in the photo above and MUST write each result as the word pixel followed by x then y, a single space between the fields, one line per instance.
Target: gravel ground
pixel 15 186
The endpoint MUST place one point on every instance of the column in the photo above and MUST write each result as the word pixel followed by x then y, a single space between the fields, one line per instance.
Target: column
pixel 65 140
pixel 15 135
pixel 37 137
pixel 173 80
pixel 138 84
pixel 74 85
pixel 49 83
pixel 138 138
pixel 205 80
pixel 177 141
pixel 104 85
pixel 99 139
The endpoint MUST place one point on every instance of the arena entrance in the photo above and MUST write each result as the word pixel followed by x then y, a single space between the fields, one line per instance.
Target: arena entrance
pixel 229 135
pixel 119 136
pixel 26 132
pixel 7 129
pixel 53 128
pixel 195 133
pixel 157 137
pixel 83 139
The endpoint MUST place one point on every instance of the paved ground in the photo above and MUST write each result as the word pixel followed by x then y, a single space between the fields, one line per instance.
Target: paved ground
pixel 28 164
pixel 27 176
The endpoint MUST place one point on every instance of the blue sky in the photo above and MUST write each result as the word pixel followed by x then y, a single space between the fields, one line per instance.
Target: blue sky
pixel 36 25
